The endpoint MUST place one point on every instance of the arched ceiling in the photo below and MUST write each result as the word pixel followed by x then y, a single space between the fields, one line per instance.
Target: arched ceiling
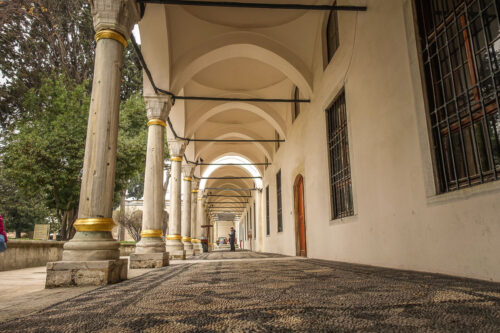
pixel 231 53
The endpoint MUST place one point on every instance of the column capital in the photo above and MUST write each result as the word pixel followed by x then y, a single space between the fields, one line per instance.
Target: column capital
pixel 188 170
pixel 158 107
pixel 116 15
pixel 176 147
pixel 195 184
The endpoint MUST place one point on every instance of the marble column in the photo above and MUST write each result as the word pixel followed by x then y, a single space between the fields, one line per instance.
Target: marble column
pixel 174 243
pixel 199 221
pixel 187 172
pixel 150 251
pixel 92 257
pixel 194 208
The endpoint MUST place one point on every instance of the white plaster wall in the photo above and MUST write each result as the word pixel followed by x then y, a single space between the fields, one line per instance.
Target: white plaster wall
pixel 399 222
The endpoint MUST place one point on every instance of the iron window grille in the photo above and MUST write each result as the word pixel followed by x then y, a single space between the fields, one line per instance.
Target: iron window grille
pixel 332 34
pixel 278 199
pixel 460 50
pixel 295 105
pixel 254 223
pixel 340 167
pixel 268 222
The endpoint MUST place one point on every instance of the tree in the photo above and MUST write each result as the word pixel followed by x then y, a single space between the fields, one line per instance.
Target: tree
pixel 44 156
pixel 40 38
pixel 20 213
pixel 131 221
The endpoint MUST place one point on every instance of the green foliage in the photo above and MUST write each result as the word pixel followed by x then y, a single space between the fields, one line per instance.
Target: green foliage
pixel 19 212
pixel 132 143
pixel 44 156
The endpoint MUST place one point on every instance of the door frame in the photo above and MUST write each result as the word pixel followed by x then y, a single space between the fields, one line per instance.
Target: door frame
pixel 296 211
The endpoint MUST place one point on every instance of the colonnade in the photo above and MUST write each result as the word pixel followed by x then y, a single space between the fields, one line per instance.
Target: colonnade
pixel 92 257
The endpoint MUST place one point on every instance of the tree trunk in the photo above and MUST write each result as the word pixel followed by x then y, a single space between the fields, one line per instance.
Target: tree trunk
pixel 18 233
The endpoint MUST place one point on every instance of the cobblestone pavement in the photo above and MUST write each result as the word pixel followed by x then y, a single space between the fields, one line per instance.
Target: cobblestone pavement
pixel 275 295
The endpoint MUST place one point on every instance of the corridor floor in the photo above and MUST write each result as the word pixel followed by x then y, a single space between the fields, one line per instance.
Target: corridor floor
pixel 258 292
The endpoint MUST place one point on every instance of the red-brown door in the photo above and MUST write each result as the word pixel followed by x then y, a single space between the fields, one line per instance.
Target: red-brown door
pixel 301 215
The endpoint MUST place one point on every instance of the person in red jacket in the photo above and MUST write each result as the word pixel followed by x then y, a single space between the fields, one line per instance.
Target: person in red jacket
pixel 2 229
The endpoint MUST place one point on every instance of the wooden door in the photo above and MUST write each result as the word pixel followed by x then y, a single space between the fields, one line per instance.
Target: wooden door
pixel 301 217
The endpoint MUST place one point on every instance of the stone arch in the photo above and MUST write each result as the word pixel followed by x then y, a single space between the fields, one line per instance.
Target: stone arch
pixel 263 111
pixel 242 45
pixel 244 134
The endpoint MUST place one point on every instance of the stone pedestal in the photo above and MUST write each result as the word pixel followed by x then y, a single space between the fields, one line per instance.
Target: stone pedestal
pixel 178 255
pixel 149 260
pixel 85 273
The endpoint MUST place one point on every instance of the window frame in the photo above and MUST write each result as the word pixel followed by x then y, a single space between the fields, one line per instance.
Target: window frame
pixel 279 202
pixel 342 160
pixel 295 105
pixel 268 220
pixel 329 52
pixel 464 140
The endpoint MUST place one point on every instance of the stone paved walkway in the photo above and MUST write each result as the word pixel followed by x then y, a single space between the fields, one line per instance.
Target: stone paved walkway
pixel 274 294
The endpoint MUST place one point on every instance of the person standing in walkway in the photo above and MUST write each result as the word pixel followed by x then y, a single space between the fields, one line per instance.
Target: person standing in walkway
pixel 3 234
pixel 232 238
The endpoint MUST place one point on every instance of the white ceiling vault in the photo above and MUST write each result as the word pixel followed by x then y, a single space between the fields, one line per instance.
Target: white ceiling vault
pixel 231 52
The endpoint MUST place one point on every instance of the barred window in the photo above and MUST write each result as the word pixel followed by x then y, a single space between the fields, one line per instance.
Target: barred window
pixel 332 34
pixel 268 223
pixel 340 167
pixel 276 143
pixel 460 42
pixel 254 222
pixel 295 105
pixel 278 197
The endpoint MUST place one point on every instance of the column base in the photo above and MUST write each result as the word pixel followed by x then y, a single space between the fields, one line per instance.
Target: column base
pixel 198 252
pixel 149 260
pixel 85 273
pixel 189 252
pixel 177 254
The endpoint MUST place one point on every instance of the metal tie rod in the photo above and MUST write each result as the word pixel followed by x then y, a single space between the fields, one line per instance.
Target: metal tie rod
pixel 199 163
pixel 255 5
pixel 229 177
pixel 230 189
pixel 226 202
pixel 229 196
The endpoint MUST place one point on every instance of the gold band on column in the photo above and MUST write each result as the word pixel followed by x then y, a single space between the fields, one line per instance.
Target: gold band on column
pixel 151 233
pixel 157 122
pixel 174 237
pixel 176 159
pixel 94 224
pixel 186 239
pixel 200 199
pixel 189 179
pixel 194 191
pixel 194 240
pixel 111 34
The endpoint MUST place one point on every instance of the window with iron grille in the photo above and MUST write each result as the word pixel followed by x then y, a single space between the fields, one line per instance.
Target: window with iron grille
pixel 278 197
pixel 276 143
pixel 254 222
pixel 460 49
pixel 268 222
pixel 332 34
pixel 295 105
pixel 340 167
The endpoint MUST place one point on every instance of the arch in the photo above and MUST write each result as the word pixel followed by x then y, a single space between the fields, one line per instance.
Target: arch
pixel 263 111
pixel 250 169
pixel 241 45
pixel 244 134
